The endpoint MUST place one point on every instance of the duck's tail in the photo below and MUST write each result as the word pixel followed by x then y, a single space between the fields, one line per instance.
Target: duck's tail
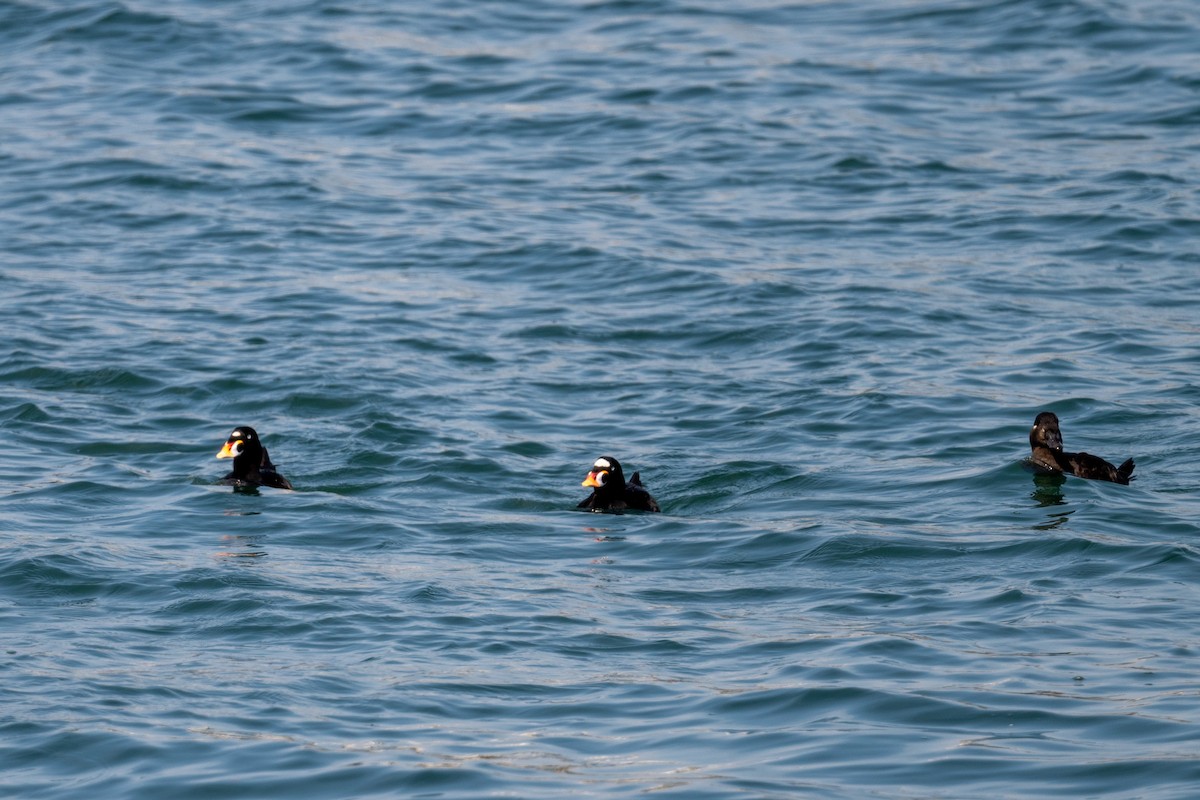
pixel 1125 471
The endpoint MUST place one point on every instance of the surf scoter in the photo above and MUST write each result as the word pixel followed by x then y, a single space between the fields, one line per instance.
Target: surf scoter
pixel 1046 441
pixel 251 464
pixel 610 492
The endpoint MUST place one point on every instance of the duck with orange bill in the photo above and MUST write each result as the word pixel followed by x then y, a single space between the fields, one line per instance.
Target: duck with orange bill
pixel 610 492
pixel 251 464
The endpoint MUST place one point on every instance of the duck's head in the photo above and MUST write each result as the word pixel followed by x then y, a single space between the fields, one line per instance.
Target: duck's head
pixel 242 446
pixel 606 472
pixel 1045 432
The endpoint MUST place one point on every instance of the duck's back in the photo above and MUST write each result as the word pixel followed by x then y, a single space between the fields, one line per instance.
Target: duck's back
pixel 638 496
pixel 1086 465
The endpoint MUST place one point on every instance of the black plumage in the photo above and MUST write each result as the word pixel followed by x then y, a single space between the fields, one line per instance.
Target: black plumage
pixel 251 464
pixel 1045 440
pixel 610 492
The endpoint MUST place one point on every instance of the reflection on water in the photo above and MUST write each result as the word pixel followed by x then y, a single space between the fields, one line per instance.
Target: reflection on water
pixel 1047 488
pixel 250 547
pixel 1054 520
pixel 1047 491
pixel 237 512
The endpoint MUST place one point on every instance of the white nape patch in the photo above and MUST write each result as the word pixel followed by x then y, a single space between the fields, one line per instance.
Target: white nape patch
pixel 602 463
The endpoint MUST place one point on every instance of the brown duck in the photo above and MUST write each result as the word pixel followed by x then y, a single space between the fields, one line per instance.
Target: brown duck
pixel 1046 442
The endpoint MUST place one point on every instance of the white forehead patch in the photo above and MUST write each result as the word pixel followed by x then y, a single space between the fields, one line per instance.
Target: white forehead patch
pixel 602 463
pixel 235 435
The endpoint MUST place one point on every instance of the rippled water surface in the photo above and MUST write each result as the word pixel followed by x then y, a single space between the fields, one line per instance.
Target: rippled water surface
pixel 811 268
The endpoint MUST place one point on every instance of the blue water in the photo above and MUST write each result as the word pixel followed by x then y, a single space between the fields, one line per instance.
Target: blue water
pixel 811 268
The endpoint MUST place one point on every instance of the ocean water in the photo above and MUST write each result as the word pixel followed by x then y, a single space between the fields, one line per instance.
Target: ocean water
pixel 812 268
